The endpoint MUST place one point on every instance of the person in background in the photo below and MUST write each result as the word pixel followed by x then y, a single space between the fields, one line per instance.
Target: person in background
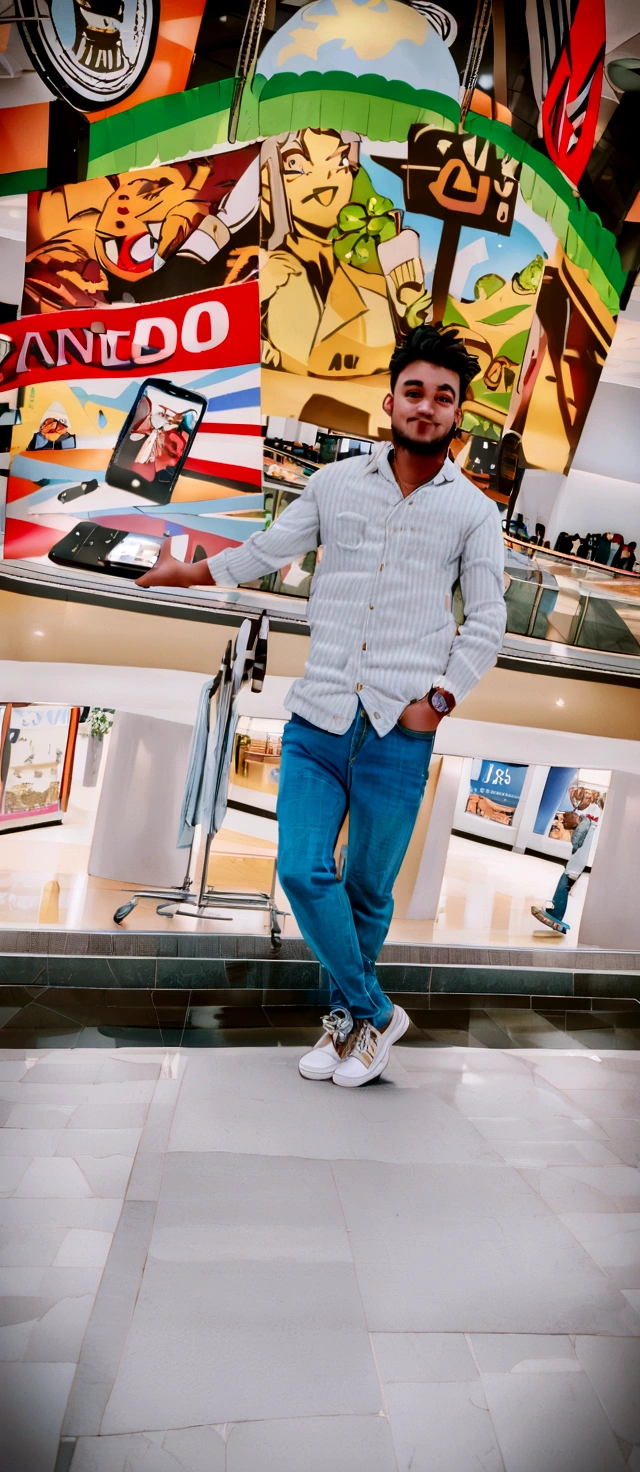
pixel 584 548
pixel 625 557
pixel 603 548
pixel 386 664
pixel 590 809
pixel 617 542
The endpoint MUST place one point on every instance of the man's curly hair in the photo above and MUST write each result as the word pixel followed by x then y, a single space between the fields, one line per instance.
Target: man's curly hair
pixel 439 345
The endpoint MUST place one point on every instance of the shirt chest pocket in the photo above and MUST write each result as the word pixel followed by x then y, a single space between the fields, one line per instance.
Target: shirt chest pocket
pixel 350 530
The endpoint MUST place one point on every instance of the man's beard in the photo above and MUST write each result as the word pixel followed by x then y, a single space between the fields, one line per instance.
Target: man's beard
pixel 423 447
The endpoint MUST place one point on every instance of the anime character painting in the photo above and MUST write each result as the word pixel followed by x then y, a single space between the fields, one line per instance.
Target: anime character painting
pixel 141 236
pixel 328 310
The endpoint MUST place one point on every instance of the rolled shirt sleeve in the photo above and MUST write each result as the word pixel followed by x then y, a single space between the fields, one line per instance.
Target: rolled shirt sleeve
pixel 476 647
pixel 292 534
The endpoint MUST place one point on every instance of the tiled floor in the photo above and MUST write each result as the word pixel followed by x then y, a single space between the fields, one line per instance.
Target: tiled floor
pixel 209 1265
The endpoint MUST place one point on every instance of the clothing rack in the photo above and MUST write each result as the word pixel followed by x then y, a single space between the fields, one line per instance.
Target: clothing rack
pixel 205 801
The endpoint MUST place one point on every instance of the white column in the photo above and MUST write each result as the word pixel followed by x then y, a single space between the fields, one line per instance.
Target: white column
pixel 611 915
pixel 136 828
pixel 426 894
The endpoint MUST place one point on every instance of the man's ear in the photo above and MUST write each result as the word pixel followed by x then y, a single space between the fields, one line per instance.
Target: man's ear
pixel 387 403
pixel 457 418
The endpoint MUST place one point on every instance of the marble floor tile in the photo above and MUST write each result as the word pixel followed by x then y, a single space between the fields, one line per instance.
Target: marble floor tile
pixel 612 1240
pixel 80 1211
pixel 442 1428
pixel 423 1358
pixel 613 1367
pixel 106 1176
pixel 519 1353
pixel 109 1324
pixel 216 1208
pixel 96 1143
pixel 14 1339
pixel 280 1114
pixel 470 1251
pixel 83 1248
pixel 479 1095
pixel 38 1116
pixel 551 1423
pixel 29 1440
pixel 58 1335
pixel 30 1246
pixel 13 1169
pixel 29 1142
pixel 624 1137
pixel 611 1072
pixel 587 1188
pixel 228 1342
pixel 54 1175
pixel 605 1104
pixel 193 1449
pixel 314 1443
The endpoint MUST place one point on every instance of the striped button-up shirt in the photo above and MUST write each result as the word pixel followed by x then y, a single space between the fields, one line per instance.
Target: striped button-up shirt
pixel 382 626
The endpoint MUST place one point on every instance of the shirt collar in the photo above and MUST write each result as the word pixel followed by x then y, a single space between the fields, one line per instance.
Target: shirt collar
pixel 381 462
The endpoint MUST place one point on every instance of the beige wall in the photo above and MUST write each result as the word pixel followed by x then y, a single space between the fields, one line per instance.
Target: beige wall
pixel 81 633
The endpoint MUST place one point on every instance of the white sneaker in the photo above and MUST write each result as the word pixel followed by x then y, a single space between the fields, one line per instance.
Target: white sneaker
pixel 324 1058
pixel 370 1051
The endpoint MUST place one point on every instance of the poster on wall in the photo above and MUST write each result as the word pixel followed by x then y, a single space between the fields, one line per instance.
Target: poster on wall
pixel 143 425
pixel 495 789
pixel 33 748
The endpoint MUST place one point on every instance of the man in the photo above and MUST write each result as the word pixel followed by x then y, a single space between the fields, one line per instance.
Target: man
pixel 385 666
pixel 589 807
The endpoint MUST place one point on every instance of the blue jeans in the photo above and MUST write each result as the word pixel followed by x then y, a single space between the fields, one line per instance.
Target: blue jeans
pixel 380 782
pixel 561 896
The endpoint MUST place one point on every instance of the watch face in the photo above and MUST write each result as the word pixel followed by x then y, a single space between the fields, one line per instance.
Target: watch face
pixel 440 703
pixel 92 54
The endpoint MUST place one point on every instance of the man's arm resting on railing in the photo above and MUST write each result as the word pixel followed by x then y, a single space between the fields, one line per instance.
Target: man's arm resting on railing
pixel 291 535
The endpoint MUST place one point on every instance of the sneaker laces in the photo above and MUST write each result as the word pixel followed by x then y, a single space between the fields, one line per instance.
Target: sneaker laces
pixel 339 1024
pixel 366 1042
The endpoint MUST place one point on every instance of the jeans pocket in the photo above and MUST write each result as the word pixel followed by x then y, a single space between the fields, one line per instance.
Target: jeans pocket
pixel 415 735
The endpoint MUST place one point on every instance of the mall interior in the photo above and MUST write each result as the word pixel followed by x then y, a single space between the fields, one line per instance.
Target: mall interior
pixel 217 220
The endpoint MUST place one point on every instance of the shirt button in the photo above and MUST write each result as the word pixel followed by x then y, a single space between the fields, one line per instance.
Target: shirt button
pixel 371 607
pixel 364 646
pixel 381 566
pixel 359 687
pixel 376 715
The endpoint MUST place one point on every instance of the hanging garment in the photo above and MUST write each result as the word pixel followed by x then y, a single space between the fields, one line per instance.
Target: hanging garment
pixel 193 784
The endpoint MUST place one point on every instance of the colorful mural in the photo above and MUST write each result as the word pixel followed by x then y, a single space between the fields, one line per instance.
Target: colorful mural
pixel 331 172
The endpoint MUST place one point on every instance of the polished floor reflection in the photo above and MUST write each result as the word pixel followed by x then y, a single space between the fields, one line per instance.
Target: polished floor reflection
pixel 86 1017
pixel 208 1264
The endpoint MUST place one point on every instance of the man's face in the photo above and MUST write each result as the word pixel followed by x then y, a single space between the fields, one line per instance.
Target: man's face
pixel 424 406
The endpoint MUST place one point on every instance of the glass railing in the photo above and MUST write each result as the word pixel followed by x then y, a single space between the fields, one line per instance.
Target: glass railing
pixel 560 599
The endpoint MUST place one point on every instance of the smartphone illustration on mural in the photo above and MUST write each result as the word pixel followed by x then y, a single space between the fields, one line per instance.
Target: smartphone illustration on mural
pixel 155 440
pixel 101 549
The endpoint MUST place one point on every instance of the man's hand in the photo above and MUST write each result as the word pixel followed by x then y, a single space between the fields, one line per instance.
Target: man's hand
pixel 420 716
pixel 168 572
